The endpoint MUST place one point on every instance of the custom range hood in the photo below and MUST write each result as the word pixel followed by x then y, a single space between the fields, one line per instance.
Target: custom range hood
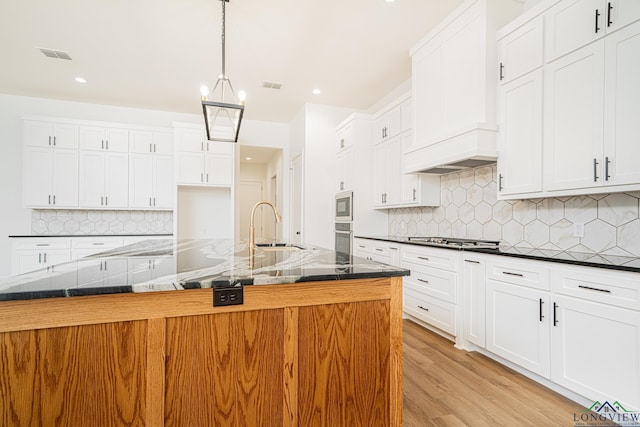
pixel 467 148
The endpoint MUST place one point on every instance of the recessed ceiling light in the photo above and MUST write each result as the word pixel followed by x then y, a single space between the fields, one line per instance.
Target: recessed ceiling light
pixel 389 1
pixel 317 91
pixel 247 158
pixel 81 80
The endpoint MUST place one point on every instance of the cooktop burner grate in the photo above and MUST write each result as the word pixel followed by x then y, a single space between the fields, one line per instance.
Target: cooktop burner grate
pixel 453 241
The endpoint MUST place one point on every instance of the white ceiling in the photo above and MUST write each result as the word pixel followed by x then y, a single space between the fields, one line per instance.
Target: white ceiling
pixel 155 54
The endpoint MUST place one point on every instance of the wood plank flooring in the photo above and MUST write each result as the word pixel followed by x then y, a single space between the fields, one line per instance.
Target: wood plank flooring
pixel 444 386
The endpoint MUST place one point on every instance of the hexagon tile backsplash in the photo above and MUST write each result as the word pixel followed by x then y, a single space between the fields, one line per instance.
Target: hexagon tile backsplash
pixel 59 222
pixel 469 208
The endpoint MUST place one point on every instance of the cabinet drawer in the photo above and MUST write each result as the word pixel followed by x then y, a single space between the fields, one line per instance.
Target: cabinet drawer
pixel 46 243
pixel 96 243
pixel 431 310
pixel 439 258
pixel 610 287
pixel 530 274
pixel 432 281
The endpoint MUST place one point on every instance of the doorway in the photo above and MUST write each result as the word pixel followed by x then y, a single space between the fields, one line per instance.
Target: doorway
pixel 260 169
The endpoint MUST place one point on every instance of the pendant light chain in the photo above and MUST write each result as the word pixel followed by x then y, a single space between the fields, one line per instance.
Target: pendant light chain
pixel 224 74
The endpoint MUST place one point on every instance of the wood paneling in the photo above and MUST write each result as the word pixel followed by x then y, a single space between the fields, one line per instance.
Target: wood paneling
pixel 344 357
pixel 78 376
pixel 225 369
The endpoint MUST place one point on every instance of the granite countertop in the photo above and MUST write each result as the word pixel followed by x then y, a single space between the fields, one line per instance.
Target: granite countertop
pixel 21 236
pixel 170 265
pixel 612 262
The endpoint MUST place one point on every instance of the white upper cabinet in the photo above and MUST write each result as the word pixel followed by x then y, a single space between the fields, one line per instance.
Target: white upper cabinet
pixel 151 170
pixel 387 124
pixel 521 51
pixel 104 179
pixel 151 142
pixel 50 164
pixel 345 160
pixel 572 24
pixel 48 134
pixel 202 162
pixel 345 136
pixel 99 138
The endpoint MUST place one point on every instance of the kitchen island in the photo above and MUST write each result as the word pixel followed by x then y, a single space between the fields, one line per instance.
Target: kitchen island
pixel 316 339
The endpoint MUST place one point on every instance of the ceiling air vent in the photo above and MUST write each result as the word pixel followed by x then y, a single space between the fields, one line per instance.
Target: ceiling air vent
pixel 53 53
pixel 271 85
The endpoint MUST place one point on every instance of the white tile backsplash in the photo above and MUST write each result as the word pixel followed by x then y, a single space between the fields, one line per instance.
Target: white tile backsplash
pixel 470 209
pixel 76 222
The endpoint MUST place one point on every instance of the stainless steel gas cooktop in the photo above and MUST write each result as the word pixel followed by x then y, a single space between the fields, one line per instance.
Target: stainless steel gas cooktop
pixel 456 242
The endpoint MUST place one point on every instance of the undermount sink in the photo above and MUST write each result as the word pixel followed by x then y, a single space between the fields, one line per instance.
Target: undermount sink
pixel 278 247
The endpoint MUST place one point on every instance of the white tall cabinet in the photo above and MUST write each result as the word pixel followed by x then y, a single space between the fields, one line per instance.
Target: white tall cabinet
pixel 104 168
pixel 589 96
pixel 151 170
pixel 50 164
pixel 201 162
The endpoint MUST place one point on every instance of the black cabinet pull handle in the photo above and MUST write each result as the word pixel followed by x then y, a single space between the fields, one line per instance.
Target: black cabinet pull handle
pixel 595 170
pixel 49 139
pixel 40 258
pixel 54 137
pixel 423 281
pixel 500 177
pixel 606 169
pixel 501 71
pixel 555 314
pixel 472 261
pixel 379 250
pixel 609 7
pixel 423 308
pixel 597 16
pixel 512 274
pixel 414 194
pixel 424 258
pixel 606 291
pixel 541 315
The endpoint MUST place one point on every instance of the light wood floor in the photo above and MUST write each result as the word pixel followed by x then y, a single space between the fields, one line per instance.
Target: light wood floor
pixel 444 386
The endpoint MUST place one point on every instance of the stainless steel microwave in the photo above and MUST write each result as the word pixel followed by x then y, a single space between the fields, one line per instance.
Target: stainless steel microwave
pixel 344 206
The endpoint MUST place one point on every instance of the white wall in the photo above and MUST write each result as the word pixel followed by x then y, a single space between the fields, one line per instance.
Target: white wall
pixel 17 220
pixel 320 149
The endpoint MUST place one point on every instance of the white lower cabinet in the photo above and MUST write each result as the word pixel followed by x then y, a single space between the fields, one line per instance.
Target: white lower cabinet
pixel 375 250
pixel 474 294
pixel 102 272
pixel 143 269
pixel 518 325
pixel 430 293
pixel 30 254
pixel 596 350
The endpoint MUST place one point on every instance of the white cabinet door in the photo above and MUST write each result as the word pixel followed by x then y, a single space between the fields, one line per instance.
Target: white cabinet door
pixel 621 13
pixel 163 182
pixel 521 50
pixel 190 140
pixel 573 110
pixel 520 137
pixel 517 325
pixel 141 141
pixel 65 178
pixel 344 170
pixel 379 174
pixel 345 137
pixel 394 172
pixel 596 371
pixel 622 107
pixel 219 169
pixel 571 24
pixel 104 139
pixel 117 180
pixel 38 186
pixel 190 168
pixel 92 173
pixel 141 184
pixel 474 285
pixel 47 134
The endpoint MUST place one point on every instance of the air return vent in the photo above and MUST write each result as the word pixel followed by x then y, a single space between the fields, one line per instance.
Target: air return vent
pixel 271 85
pixel 53 53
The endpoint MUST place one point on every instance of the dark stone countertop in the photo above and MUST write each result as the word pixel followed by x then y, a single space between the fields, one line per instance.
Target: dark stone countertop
pixel 170 265
pixel 612 262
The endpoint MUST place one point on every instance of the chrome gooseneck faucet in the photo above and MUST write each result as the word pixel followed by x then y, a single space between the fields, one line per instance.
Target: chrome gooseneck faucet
pixel 252 237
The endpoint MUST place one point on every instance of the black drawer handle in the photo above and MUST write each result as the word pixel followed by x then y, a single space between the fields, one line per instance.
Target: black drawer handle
pixel 423 281
pixel 606 291
pixel 423 308
pixel 472 261
pixel 423 258
pixel 379 250
pixel 512 274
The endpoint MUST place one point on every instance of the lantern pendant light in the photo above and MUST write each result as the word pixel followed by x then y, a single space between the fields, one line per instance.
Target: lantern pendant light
pixel 222 109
